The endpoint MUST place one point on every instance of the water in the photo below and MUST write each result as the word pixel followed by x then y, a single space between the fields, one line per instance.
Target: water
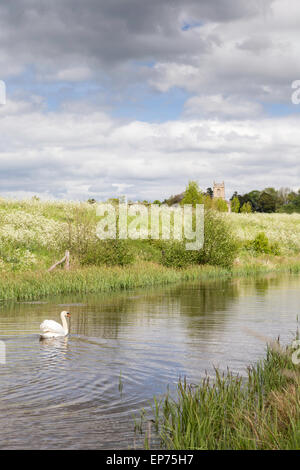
pixel 82 391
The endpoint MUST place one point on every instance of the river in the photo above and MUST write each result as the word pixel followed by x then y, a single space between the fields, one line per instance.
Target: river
pixel 82 391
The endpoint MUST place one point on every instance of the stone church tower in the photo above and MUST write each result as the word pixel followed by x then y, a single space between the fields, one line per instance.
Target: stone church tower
pixel 219 190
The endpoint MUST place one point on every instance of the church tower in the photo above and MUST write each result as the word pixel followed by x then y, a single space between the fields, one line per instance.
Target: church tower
pixel 219 190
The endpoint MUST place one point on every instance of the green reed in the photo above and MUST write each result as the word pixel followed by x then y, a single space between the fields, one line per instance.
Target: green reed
pixel 34 285
pixel 231 412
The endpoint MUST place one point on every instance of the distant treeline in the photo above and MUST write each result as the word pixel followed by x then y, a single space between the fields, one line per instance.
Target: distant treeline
pixel 268 200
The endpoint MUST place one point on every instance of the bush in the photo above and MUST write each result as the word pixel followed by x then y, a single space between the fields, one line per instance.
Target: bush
pixel 108 252
pixel 220 247
pixel 261 244
pixel 174 254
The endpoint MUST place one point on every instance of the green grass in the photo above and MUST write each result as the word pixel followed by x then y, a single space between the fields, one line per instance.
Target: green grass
pixel 35 285
pixel 31 285
pixel 262 412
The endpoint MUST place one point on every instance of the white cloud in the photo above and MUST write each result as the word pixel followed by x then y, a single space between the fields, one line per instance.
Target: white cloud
pixel 217 106
pixel 79 156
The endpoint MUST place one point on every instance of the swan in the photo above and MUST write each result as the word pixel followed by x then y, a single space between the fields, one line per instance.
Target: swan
pixel 52 329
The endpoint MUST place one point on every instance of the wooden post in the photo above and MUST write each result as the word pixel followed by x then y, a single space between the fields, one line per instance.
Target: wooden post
pixel 65 259
pixel 67 265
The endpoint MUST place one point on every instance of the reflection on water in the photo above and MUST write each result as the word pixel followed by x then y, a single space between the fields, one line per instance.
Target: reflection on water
pixel 66 393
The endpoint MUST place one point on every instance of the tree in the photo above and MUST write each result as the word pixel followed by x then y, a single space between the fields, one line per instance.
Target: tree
pixel 210 192
pixel 235 194
pixel 235 204
pixel 283 196
pixel 208 201
pixel 251 197
pixel 220 205
pixel 193 195
pixel 246 208
pixel 266 202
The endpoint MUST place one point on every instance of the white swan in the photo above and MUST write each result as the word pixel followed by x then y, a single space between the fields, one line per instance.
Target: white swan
pixel 52 329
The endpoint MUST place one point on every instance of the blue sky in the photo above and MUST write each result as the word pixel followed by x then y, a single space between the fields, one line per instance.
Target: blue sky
pixel 148 96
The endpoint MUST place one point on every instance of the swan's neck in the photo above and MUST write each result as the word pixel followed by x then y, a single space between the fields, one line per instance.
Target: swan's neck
pixel 65 324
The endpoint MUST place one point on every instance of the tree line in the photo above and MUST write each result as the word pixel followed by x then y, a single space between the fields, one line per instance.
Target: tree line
pixel 267 200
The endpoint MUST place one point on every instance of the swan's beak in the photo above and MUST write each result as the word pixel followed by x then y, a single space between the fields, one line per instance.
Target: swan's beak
pixel 68 314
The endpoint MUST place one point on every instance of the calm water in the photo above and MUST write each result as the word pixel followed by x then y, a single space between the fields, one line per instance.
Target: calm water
pixel 82 391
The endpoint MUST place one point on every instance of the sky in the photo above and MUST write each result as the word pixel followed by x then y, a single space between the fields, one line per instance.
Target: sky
pixel 138 97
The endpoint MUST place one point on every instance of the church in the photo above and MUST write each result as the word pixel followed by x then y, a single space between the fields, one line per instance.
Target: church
pixel 219 192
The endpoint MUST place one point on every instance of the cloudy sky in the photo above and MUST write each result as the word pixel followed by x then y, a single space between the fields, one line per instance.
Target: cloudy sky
pixel 139 96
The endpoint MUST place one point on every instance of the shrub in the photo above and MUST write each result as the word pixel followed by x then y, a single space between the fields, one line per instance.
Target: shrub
pixel 108 252
pixel 16 259
pixel 220 247
pixel 174 254
pixel 261 244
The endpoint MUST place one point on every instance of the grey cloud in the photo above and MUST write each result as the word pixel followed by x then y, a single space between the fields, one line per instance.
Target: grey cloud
pixel 64 33
pixel 256 44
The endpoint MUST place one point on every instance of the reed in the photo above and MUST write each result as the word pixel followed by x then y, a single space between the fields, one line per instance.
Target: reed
pixel 231 412
pixel 33 285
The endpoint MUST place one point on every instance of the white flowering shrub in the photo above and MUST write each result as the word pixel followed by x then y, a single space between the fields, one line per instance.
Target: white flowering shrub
pixel 35 232
pixel 31 230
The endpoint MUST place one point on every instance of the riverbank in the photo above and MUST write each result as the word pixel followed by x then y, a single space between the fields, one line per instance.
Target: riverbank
pixel 35 234
pixel 36 285
pixel 229 413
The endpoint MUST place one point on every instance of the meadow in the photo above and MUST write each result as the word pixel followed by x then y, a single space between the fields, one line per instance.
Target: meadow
pixel 34 234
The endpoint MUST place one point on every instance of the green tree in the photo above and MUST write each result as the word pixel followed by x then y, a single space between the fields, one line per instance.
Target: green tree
pixel 267 202
pixel 251 197
pixel 210 192
pixel 246 208
pixel 193 195
pixel 220 205
pixel 235 204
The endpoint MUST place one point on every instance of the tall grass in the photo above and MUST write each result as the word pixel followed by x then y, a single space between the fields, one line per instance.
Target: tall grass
pixel 228 412
pixel 31 285
pixel 93 279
